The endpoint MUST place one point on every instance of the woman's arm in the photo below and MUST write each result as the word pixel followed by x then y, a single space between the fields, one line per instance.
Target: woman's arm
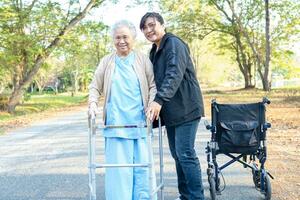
pixel 150 80
pixel 96 86
pixel 153 109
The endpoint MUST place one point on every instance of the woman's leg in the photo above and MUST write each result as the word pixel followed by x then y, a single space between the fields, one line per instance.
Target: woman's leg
pixel 141 174
pixel 119 181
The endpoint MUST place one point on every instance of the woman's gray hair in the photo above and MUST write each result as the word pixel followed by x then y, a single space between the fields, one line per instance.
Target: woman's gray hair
pixel 124 23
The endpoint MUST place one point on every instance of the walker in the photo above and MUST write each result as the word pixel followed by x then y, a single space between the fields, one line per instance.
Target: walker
pixel 92 165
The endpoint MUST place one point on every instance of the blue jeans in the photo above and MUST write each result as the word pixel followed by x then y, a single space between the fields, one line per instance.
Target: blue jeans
pixel 181 143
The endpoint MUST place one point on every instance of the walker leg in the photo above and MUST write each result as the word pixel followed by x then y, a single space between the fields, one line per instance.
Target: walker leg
pixel 91 150
pixel 161 160
pixel 150 161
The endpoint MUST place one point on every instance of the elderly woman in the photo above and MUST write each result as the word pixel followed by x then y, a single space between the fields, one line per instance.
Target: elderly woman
pixel 125 78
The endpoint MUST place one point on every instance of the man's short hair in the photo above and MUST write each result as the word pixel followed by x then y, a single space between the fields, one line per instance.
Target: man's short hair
pixel 155 15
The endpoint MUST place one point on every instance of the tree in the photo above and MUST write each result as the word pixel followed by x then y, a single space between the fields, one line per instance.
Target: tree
pixel 266 82
pixel 195 20
pixel 254 21
pixel 243 56
pixel 31 33
pixel 241 29
pixel 4 79
pixel 83 50
pixel 50 70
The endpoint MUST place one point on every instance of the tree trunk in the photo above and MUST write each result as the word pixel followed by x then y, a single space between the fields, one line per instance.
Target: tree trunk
pixel 263 65
pixel 75 82
pixel 2 87
pixel 14 99
pixel 243 63
pixel 266 81
pixel 266 84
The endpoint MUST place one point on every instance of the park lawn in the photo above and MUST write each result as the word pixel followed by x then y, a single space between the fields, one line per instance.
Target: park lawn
pixel 38 104
pixel 283 139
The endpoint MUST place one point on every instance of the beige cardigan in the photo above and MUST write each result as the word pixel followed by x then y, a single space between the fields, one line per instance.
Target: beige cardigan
pixel 101 83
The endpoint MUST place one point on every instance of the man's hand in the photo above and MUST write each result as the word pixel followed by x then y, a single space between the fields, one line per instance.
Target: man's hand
pixel 153 110
pixel 93 110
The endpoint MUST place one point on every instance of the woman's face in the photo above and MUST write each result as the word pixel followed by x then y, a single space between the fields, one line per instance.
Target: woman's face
pixel 123 41
pixel 153 30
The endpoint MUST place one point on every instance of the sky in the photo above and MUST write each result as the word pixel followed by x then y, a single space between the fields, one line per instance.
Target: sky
pixel 113 12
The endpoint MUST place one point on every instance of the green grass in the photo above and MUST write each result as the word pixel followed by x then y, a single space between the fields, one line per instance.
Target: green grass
pixel 40 103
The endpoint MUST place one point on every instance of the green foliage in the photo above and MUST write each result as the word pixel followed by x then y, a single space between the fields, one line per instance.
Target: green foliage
pixel 83 49
pixel 25 32
pixel 30 32
pixel 284 65
pixel 196 20
pixel 189 19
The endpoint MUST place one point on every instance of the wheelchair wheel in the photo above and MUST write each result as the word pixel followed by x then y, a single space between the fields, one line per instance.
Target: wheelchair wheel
pixel 212 187
pixel 268 188
pixel 256 178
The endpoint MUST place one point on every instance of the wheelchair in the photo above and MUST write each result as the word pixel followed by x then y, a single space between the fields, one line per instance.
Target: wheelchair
pixel 239 132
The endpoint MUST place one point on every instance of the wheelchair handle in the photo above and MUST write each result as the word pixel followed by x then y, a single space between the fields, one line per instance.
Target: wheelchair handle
pixel 266 100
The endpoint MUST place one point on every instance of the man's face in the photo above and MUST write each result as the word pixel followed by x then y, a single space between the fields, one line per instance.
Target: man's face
pixel 123 41
pixel 153 30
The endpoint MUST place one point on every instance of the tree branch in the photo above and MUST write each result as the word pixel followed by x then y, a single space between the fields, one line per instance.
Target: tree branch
pixel 222 10
pixel 31 6
pixel 47 51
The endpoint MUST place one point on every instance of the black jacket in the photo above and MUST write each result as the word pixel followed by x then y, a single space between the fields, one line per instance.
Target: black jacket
pixel 178 90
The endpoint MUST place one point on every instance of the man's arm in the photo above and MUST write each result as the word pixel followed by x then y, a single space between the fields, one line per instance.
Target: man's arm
pixel 176 53
pixel 175 69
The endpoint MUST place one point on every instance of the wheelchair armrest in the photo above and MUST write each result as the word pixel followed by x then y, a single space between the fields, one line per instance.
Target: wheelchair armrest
pixel 266 126
pixel 266 100
pixel 207 125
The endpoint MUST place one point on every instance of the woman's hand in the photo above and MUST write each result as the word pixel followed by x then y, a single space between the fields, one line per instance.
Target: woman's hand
pixel 93 110
pixel 153 110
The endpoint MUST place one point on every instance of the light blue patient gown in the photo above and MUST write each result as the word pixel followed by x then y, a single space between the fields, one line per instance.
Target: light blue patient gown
pixel 125 107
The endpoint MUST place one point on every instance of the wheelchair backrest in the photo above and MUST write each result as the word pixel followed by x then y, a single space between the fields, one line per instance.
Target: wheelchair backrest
pixel 238 126
pixel 239 112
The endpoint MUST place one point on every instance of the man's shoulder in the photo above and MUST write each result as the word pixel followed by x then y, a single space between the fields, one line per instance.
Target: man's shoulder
pixel 173 40
pixel 173 37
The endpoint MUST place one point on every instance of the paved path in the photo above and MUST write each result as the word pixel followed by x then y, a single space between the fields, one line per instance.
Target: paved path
pixel 48 161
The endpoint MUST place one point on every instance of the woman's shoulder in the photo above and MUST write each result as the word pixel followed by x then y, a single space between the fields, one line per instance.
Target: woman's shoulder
pixel 109 56
pixel 140 55
pixel 105 60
